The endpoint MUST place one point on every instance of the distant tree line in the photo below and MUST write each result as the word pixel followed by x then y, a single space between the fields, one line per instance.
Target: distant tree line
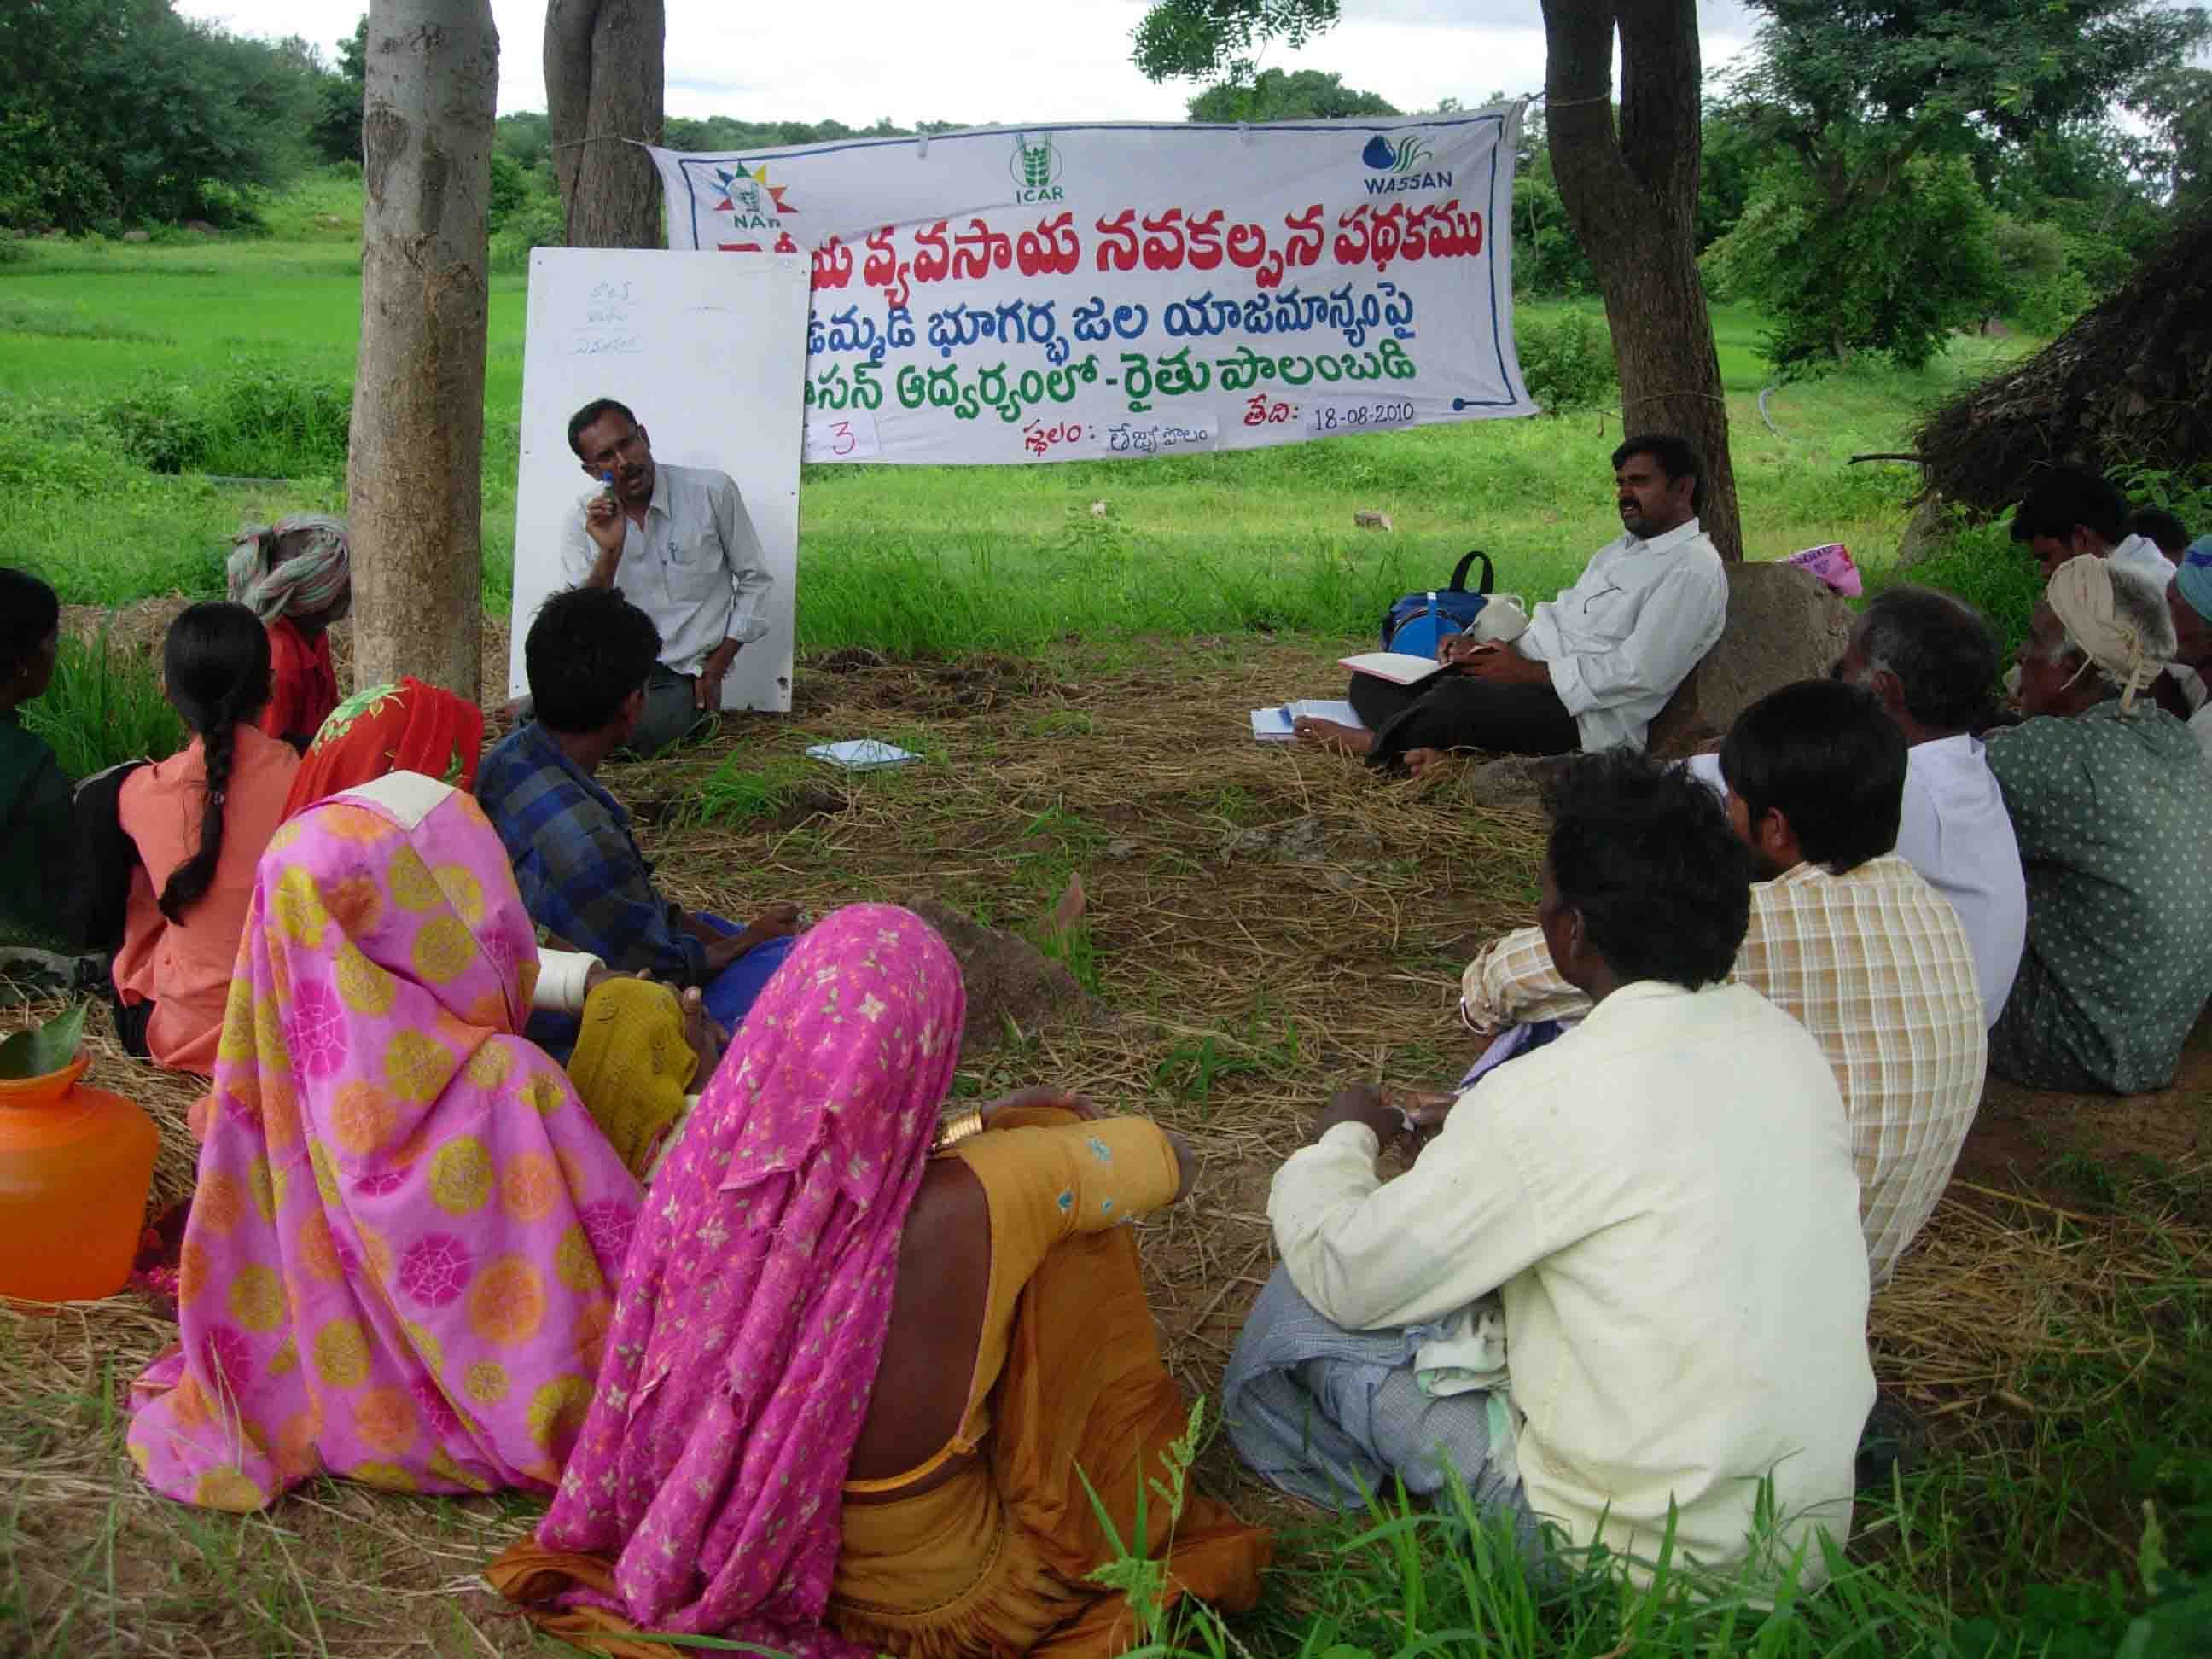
pixel 116 112
pixel 1876 175
pixel 1881 174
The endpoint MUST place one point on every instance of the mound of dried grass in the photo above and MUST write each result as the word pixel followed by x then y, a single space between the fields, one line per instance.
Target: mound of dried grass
pixel 2001 1287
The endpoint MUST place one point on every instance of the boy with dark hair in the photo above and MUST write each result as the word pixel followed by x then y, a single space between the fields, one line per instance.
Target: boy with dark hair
pixel 588 655
pixel 1659 1208
pixel 1596 665
pixel 1844 934
pixel 1835 787
pixel 2068 511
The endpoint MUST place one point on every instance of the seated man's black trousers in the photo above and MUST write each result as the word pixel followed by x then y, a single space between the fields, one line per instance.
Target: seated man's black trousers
pixel 1452 711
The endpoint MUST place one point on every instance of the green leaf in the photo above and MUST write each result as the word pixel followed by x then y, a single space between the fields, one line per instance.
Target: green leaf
pixel 45 1048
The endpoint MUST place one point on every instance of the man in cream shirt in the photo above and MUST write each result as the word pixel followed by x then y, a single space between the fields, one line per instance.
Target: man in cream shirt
pixel 1595 665
pixel 1665 1200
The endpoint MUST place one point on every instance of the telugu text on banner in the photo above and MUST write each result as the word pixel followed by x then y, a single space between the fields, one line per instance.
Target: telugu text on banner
pixel 1063 292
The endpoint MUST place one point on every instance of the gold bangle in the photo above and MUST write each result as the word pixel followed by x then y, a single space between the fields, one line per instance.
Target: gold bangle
pixel 957 1127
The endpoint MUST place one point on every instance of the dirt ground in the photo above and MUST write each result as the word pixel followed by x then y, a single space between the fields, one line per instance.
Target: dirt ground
pixel 1259 923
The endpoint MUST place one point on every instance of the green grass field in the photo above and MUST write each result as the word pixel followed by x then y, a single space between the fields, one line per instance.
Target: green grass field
pixel 97 339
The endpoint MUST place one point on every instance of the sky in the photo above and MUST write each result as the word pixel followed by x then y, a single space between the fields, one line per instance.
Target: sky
pixel 986 62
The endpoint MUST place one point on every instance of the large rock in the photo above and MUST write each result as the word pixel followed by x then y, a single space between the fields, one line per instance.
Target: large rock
pixel 1783 626
pixel 1927 534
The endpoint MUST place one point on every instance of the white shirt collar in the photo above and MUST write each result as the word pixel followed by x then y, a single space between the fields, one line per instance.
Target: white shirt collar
pixel 1686 531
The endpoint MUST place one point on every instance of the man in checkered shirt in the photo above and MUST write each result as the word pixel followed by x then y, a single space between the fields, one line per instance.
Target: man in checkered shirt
pixel 1844 934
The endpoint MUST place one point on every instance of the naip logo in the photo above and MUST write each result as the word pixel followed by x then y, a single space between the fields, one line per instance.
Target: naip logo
pixel 1035 169
pixel 753 204
pixel 1401 164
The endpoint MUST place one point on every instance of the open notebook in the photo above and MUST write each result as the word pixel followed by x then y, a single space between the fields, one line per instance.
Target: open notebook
pixel 1399 667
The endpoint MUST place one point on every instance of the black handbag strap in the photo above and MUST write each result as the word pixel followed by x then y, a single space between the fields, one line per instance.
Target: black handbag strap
pixel 1459 571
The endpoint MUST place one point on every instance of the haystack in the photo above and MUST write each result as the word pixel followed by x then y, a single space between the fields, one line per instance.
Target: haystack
pixel 2130 383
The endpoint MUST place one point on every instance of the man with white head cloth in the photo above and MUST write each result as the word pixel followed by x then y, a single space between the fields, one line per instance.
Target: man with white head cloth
pixel 2113 812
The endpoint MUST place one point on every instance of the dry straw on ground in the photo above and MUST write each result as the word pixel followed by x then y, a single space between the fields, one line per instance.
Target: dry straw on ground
pixel 1261 923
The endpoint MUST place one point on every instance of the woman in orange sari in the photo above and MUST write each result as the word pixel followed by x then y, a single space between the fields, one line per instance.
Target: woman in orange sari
pixel 853 1392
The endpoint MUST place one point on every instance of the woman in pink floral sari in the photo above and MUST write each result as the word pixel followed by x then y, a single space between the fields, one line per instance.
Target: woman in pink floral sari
pixel 401 1258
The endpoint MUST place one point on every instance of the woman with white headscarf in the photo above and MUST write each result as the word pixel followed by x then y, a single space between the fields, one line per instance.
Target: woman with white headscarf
pixel 297 576
pixel 2113 812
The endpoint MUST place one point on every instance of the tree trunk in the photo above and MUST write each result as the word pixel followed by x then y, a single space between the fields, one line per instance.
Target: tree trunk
pixel 1632 197
pixel 604 77
pixel 415 474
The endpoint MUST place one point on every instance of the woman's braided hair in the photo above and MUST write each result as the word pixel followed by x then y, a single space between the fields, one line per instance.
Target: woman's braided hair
pixel 216 662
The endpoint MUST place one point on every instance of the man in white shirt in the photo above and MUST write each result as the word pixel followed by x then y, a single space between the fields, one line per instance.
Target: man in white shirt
pixel 1930 661
pixel 1664 1201
pixel 2068 511
pixel 1595 665
pixel 677 542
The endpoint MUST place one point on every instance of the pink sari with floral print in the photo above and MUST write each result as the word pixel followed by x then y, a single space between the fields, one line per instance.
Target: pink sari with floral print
pixel 757 1295
pixel 400 1260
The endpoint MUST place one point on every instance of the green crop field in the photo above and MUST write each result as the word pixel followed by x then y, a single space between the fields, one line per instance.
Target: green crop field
pixel 133 374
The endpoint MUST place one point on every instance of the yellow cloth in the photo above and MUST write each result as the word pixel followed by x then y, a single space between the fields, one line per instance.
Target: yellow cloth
pixel 632 1064
pixel 997 1559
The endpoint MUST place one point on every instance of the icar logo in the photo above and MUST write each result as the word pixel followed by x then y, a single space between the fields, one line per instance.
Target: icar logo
pixel 1402 164
pixel 1035 169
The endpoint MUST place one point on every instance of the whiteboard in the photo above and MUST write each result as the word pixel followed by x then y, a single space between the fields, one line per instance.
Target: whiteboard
pixel 710 356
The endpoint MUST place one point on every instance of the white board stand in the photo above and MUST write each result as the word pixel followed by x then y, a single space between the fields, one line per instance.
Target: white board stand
pixel 710 355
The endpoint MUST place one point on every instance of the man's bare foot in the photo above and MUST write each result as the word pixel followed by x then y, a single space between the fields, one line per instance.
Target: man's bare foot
pixel 1334 736
pixel 1419 761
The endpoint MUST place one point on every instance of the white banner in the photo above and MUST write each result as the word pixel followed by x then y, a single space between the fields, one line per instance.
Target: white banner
pixel 1065 293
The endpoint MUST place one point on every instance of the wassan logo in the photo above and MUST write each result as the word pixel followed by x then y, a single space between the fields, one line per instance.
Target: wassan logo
pixel 1401 164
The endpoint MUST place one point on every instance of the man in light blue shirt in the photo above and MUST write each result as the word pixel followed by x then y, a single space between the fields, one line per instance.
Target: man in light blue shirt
pixel 676 541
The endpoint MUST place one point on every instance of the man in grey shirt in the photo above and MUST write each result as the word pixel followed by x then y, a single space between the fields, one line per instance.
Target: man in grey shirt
pixel 676 541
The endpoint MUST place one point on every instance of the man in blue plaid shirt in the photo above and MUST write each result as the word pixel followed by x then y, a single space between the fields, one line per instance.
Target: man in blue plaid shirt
pixel 588 655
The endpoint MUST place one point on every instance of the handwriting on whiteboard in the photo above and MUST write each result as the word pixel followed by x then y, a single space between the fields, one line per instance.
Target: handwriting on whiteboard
pixel 605 330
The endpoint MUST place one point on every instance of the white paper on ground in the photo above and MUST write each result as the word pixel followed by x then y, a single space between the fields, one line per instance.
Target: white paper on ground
pixel 1276 724
pixel 862 754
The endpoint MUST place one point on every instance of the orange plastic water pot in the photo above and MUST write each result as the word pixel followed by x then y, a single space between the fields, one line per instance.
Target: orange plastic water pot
pixel 76 1165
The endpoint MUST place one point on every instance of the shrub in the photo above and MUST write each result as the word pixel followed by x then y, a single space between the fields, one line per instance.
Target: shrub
pixel 1567 360
pixel 103 707
pixel 538 221
pixel 2049 306
pixel 158 424
pixel 259 419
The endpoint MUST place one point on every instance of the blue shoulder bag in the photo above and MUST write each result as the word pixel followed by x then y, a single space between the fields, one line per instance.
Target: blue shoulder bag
pixel 1418 623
